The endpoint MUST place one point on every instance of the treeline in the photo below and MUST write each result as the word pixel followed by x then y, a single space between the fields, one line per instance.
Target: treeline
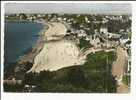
pixel 13 87
pixel 84 44
pixel 16 70
pixel 94 76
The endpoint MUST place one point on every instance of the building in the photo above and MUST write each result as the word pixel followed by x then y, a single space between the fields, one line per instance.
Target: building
pixel 104 30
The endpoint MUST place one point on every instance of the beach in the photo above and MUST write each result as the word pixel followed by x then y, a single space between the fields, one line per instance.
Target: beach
pixel 57 52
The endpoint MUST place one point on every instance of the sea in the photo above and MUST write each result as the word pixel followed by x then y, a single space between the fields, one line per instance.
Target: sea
pixel 19 38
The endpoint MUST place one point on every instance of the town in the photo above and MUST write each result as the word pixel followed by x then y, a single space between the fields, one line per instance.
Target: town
pixel 92 33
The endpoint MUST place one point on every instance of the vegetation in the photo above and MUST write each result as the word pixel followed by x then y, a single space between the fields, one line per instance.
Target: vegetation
pixel 90 77
pixel 126 79
pixel 118 25
pixel 129 35
pixel 21 16
pixel 13 87
pixel 17 70
pixel 84 44
pixel 12 18
pixel 9 69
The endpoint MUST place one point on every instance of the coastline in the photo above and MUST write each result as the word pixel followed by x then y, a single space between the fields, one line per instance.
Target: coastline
pixel 28 56
pixel 47 58
pixel 47 34
pixel 37 46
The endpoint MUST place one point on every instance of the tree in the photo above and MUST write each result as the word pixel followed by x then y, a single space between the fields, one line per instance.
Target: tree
pixel 22 16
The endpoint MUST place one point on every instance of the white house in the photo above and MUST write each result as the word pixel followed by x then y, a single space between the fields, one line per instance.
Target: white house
pixel 103 30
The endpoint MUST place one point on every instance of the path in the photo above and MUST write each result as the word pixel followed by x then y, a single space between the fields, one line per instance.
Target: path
pixel 118 70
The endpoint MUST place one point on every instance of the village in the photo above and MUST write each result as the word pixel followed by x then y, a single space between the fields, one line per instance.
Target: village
pixel 91 33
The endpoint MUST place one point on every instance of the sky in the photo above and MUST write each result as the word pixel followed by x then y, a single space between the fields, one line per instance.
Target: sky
pixel 99 8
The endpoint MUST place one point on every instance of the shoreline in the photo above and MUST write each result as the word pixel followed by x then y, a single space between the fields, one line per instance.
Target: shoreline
pixel 27 51
pixel 39 45
pixel 53 36
pixel 29 55
pixel 36 47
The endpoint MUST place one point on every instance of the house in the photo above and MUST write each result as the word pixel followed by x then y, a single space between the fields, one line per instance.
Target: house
pixel 81 33
pixel 104 30
pixel 86 20
pixel 124 38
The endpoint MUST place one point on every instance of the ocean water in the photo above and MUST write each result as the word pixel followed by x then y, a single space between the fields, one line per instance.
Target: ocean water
pixel 19 38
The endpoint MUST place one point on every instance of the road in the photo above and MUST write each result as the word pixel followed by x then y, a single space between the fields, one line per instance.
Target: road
pixel 118 70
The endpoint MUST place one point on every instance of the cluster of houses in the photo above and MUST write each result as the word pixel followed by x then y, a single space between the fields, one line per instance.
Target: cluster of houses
pixel 109 39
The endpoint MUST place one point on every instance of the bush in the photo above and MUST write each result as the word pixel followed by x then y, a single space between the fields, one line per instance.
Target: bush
pixel 84 44
pixel 126 79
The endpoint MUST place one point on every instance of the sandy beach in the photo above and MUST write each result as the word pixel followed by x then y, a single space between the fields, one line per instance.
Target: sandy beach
pixel 55 31
pixel 56 54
